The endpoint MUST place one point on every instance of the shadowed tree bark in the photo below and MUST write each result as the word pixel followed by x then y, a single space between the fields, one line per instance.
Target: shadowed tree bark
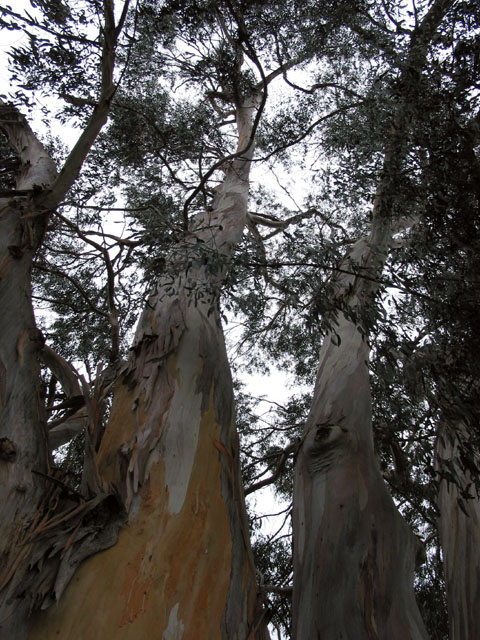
pixel 29 494
pixel 354 556
pixel 459 529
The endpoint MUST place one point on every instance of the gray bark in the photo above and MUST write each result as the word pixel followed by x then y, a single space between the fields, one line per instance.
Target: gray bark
pixel 41 534
pixel 459 531
pixel 354 556
pixel 22 417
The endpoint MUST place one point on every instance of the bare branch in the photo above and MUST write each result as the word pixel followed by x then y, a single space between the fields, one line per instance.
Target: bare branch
pixel 313 126
pixel 266 221
pixel 77 156
pixel 287 452
pixel 62 370
pixel 113 315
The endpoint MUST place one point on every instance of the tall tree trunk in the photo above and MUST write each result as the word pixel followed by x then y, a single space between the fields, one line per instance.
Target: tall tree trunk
pixel 23 448
pixel 459 531
pixel 182 567
pixel 35 546
pixel 354 556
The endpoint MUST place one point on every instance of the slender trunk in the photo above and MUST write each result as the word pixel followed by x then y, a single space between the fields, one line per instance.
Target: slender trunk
pixel 459 531
pixel 182 566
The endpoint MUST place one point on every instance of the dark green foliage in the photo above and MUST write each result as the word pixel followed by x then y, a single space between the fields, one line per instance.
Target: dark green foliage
pixel 59 55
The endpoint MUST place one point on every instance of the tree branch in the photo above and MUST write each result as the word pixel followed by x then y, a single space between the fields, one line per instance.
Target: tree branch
pixel 286 453
pixel 77 156
pixel 113 315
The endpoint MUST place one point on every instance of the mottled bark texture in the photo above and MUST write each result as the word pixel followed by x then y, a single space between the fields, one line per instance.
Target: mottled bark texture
pixel 459 530
pixel 182 567
pixel 354 556
pixel 45 530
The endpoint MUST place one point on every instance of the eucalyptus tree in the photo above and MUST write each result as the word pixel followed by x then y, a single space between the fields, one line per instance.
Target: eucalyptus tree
pixel 438 352
pixel 171 438
pixel 27 203
pixel 169 453
pixel 336 470
pixel 422 115
pixel 160 460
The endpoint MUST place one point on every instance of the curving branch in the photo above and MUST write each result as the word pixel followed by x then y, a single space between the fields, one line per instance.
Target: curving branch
pixel 77 156
pixel 61 430
pixel 113 313
pixel 261 94
pixel 286 453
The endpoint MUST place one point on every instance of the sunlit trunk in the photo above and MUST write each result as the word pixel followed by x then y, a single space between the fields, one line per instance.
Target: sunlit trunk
pixel 182 567
pixel 459 529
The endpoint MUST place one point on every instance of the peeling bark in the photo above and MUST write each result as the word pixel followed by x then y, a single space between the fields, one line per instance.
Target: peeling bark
pixel 183 566
pixel 459 531
pixel 22 418
pixel 46 529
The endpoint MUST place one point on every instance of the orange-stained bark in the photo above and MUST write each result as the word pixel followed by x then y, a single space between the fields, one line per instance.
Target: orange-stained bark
pixel 183 566
pixel 166 571
pixel 459 531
